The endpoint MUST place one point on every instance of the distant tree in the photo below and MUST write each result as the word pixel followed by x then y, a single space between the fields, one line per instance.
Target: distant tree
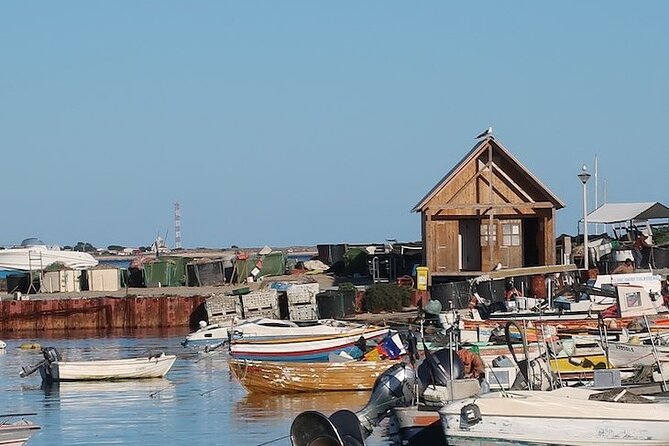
pixel 67 248
pixel 84 247
pixel 115 248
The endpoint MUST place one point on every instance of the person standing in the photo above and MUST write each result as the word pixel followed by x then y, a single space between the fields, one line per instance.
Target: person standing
pixel 638 248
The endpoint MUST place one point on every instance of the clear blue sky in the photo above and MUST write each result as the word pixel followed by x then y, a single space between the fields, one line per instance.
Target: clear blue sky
pixel 304 122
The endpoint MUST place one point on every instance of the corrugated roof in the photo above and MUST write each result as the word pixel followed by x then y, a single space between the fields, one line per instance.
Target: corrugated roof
pixel 622 212
pixel 474 152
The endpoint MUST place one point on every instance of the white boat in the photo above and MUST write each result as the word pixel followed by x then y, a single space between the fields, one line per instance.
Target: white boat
pixel 33 254
pixel 565 416
pixel 266 328
pixel 16 433
pixel 3 345
pixel 626 354
pixel 302 347
pixel 54 369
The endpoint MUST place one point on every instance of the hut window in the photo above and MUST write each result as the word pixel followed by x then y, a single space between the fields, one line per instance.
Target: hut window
pixel 488 234
pixel 510 234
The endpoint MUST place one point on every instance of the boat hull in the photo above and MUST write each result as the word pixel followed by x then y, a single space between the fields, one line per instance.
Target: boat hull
pixel 286 377
pixel 541 418
pixel 17 433
pixel 306 348
pixel 135 368
pixel 635 355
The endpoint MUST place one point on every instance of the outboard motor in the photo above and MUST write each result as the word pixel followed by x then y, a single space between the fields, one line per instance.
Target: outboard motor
pixel 436 368
pixel 50 355
pixel 312 428
pixel 394 387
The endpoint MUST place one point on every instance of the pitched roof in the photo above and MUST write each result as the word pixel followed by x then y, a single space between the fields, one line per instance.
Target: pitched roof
pixel 478 148
pixel 621 212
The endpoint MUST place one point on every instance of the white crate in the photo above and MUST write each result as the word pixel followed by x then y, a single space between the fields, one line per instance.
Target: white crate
pixel 260 300
pixel 304 293
pixel 303 312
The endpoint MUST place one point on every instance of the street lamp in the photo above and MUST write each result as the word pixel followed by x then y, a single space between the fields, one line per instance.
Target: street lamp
pixel 584 176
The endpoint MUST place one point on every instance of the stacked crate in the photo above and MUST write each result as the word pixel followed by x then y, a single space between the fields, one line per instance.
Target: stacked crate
pixel 222 309
pixel 302 301
pixel 262 303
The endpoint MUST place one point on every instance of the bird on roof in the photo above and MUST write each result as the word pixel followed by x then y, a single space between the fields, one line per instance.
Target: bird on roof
pixel 487 132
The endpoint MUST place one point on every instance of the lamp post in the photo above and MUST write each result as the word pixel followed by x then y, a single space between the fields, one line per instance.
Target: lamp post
pixel 584 176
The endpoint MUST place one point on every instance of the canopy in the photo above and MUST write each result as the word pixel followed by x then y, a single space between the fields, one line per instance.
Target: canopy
pixel 621 212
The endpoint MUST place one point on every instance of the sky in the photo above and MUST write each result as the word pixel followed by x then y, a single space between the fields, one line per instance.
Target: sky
pixel 302 122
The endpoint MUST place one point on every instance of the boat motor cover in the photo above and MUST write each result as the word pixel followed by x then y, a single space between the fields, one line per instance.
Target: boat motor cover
pixel 312 428
pixel 348 427
pixel 393 388
pixel 436 368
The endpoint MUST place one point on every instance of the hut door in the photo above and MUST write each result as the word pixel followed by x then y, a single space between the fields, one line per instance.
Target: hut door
pixel 511 248
pixel 470 249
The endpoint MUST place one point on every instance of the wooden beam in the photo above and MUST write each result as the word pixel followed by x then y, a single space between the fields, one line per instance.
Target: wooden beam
pixel 535 205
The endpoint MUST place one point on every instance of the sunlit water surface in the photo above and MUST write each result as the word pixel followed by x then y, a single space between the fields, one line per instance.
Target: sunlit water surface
pixel 198 403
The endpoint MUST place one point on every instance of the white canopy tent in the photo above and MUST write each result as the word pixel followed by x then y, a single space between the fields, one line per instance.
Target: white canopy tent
pixel 610 213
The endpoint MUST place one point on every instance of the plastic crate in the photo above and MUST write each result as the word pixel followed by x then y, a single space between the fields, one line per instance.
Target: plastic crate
pixel 221 304
pixel 302 293
pixel 260 300
pixel 271 313
pixel 303 312
pixel 222 309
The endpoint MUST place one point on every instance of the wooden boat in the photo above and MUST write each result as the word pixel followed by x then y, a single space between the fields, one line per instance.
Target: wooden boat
pixel 54 369
pixel 16 433
pixel 293 377
pixel 314 348
pixel 566 416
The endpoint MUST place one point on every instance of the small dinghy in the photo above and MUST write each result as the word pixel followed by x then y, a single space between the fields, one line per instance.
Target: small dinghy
pixel 54 369
pixel 18 432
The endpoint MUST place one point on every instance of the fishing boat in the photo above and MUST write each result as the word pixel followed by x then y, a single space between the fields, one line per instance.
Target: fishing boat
pixel 16 433
pixel 266 328
pixel 53 369
pixel 565 416
pixel 293 377
pixel 314 348
pixel 637 352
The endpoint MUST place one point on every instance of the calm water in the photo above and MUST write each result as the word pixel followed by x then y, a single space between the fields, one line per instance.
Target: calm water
pixel 198 403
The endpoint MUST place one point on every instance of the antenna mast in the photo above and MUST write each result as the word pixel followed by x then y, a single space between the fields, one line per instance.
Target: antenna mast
pixel 177 226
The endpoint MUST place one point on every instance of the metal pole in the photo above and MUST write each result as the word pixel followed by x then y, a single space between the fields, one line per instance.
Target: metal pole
pixel 584 176
pixel 585 229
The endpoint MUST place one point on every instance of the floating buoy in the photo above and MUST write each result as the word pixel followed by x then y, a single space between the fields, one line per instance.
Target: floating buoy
pixel 30 346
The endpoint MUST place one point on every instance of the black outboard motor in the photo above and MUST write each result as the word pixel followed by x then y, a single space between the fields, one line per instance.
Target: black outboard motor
pixel 393 388
pixel 50 355
pixel 312 428
pixel 436 368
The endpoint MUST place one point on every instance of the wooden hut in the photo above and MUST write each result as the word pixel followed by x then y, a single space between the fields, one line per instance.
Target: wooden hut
pixel 488 212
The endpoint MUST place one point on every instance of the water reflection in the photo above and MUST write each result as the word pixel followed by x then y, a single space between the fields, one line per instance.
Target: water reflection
pixel 258 405
pixel 197 403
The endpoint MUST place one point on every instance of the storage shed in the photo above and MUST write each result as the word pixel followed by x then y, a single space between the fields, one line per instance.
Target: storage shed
pixel 104 278
pixel 488 212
